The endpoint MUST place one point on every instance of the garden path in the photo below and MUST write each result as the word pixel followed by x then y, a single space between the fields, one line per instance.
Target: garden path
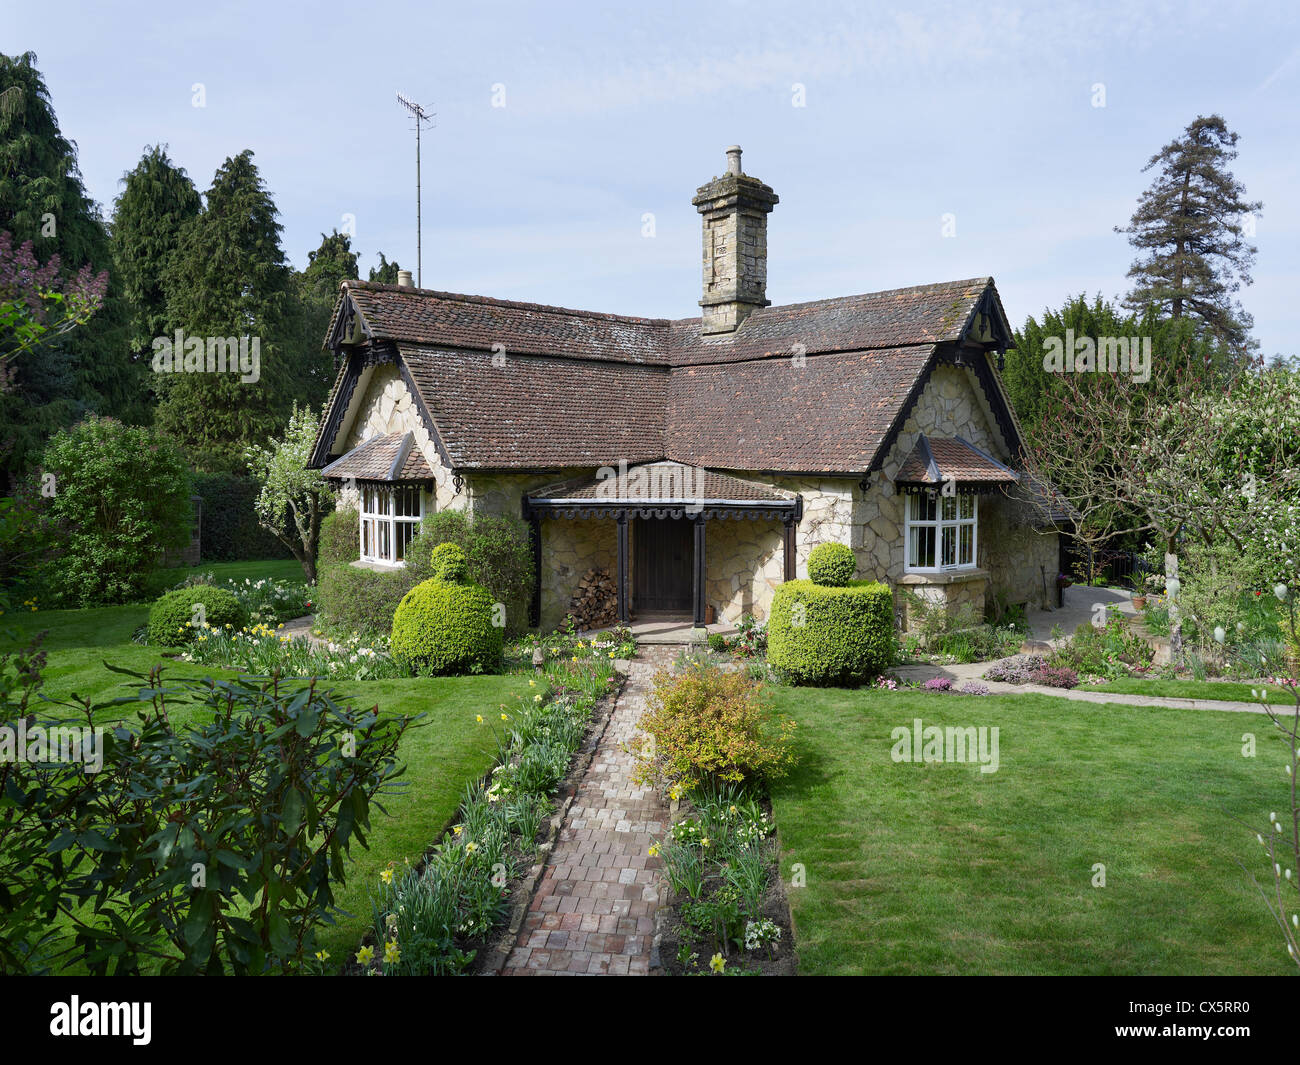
pixel 593 910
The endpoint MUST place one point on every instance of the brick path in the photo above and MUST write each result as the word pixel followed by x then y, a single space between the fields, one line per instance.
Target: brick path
pixel 593 912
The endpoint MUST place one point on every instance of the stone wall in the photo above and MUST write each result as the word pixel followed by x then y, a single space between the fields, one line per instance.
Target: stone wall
pixel 570 547
pixel 744 566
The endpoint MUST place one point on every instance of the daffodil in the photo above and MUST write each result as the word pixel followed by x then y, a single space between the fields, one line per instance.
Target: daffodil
pixel 386 875
pixel 365 955
pixel 717 963
pixel 505 717
pixel 471 847
pixel 478 718
pixel 322 955
pixel 654 850
pixel 392 953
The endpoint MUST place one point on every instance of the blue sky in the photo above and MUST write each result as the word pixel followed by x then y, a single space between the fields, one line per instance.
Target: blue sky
pixel 912 111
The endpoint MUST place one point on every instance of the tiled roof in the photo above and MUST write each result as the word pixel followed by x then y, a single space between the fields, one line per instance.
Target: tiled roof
pixel 936 459
pixel 377 459
pixel 924 314
pixel 655 482
pixel 539 412
pixel 582 389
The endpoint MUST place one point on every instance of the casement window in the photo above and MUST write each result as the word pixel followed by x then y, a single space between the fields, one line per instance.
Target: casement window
pixel 390 519
pixel 940 531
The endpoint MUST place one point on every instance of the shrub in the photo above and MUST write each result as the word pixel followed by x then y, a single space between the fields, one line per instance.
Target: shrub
pixel 340 538
pixel 717 642
pixel 1055 677
pixel 831 635
pixel 298 775
pixel 441 628
pixel 447 563
pixel 175 618
pixel 497 554
pixel 229 528
pixel 122 493
pixel 974 687
pixel 1015 670
pixel 356 600
pixel 937 684
pixel 833 565
pixel 711 725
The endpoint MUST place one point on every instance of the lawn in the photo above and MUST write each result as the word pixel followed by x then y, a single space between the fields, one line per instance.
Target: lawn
pixel 1191 689
pixel 442 756
pixel 939 868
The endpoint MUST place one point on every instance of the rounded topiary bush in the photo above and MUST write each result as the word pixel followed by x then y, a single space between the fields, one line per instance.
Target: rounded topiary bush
pixel 831 635
pixel 448 562
pixel 173 619
pixel 442 627
pixel 833 565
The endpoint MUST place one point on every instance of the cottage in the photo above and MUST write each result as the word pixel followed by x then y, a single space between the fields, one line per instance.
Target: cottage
pixel 696 460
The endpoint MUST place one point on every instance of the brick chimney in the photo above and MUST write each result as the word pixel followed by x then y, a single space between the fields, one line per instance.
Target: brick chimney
pixel 735 209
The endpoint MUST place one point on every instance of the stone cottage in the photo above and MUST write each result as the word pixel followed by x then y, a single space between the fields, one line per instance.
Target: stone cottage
pixel 696 460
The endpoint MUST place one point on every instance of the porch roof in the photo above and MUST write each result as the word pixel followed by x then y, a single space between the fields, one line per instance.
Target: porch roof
pixel 672 485
pixel 392 457
pixel 935 459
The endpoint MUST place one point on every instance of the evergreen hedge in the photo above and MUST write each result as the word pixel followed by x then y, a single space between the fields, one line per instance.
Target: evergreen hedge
pixel 831 635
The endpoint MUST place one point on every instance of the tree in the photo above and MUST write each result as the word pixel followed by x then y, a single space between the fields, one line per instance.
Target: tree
pixel 229 278
pixel 37 305
pixel 289 486
pixel 43 200
pixel 1189 228
pixel 385 273
pixel 318 288
pixel 122 493
pixel 157 200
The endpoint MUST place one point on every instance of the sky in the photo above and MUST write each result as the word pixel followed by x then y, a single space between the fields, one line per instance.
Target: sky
pixel 561 126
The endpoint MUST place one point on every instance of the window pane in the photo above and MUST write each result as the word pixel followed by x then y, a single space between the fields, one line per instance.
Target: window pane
pixel 405 534
pixel 949 545
pixel 922 547
pixel 923 506
pixel 967 506
pixel 385 541
pixel 949 508
pixel 967 553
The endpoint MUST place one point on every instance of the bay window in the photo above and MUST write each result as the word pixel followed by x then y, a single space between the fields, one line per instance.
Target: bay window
pixel 390 519
pixel 940 531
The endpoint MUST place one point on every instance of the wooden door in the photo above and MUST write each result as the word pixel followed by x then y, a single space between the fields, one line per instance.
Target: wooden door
pixel 663 555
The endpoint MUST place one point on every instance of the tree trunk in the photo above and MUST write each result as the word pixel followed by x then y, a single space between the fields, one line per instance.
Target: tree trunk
pixel 1175 613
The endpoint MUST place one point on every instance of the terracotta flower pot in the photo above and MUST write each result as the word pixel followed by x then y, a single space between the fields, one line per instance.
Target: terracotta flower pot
pixel 1139 602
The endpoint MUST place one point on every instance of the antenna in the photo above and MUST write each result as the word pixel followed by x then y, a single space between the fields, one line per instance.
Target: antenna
pixel 421 116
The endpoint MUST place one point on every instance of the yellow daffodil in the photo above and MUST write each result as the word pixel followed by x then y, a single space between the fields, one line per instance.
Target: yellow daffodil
pixel 322 955
pixel 704 842
pixel 478 718
pixel 365 955
pixel 654 850
pixel 392 953
pixel 386 875
pixel 505 717
pixel 458 829
pixel 537 698
pixel 532 684
pixel 717 963
pixel 471 847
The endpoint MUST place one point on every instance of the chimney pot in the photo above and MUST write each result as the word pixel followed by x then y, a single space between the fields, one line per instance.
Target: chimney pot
pixel 404 279
pixel 733 159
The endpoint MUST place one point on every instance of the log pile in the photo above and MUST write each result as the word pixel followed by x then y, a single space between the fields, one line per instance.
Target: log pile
pixel 595 602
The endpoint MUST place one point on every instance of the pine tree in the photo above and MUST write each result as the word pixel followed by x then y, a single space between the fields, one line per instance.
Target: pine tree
pixel 385 273
pixel 229 278
pixel 42 199
pixel 1189 227
pixel 156 201
pixel 318 291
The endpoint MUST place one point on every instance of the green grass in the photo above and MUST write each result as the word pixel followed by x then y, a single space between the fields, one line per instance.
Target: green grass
pixel 280 569
pixel 443 755
pixel 938 868
pixel 1225 691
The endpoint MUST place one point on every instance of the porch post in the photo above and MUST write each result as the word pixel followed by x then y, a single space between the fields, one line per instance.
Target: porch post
pixel 535 543
pixel 788 548
pixel 622 567
pixel 699 570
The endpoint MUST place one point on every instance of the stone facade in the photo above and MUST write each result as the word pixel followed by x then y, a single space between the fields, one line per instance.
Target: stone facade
pixel 570 547
pixel 744 566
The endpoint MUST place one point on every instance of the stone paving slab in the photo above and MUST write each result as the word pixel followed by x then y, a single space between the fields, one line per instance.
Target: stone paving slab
pixel 593 911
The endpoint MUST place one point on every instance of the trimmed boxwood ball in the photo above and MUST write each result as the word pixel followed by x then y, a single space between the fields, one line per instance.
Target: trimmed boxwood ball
pixel 833 565
pixel 847 635
pixel 171 618
pixel 442 627
pixel 448 562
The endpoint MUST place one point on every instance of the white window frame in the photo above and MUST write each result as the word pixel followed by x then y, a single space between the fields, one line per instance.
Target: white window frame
pixel 956 523
pixel 379 521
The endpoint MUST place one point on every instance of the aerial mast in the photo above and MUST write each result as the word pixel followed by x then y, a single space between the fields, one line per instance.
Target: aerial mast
pixel 421 116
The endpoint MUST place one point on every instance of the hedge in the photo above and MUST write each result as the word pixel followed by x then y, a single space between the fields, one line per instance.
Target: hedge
pixel 229 529
pixel 847 635
pixel 832 564
pixel 442 627
pixel 172 617
pixel 352 599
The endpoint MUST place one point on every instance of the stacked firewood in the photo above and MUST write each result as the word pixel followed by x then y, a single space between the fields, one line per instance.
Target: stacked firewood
pixel 595 602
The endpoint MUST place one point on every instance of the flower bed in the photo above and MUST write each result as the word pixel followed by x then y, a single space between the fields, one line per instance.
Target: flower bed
pixel 267 602
pixel 263 650
pixel 435 916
